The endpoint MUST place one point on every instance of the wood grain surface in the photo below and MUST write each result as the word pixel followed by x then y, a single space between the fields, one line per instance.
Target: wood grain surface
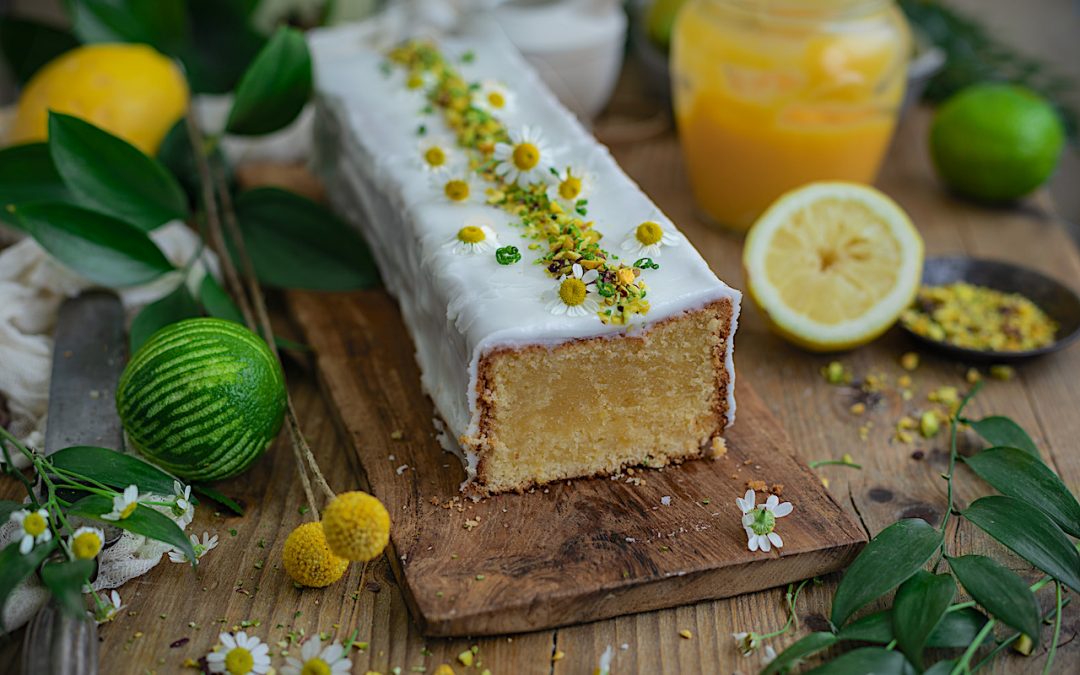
pixel 570 552
pixel 243 581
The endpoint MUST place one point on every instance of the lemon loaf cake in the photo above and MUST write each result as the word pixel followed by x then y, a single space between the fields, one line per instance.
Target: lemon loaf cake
pixel 563 326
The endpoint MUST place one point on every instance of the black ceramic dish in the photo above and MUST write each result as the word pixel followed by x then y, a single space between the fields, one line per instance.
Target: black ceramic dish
pixel 1060 302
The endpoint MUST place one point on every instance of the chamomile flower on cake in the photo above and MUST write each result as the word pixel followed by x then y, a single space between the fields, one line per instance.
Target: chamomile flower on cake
pixel 524 158
pixel 493 98
pixel 475 237
pixel 573 295
pixel 455 187
pixel 571 185
pixel 436 154
pixel 649 238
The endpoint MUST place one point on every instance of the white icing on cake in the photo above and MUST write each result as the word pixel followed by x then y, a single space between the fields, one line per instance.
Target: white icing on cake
pixel 460 307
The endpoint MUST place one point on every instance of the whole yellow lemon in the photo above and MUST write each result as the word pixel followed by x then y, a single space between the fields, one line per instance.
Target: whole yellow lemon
pixel 130 90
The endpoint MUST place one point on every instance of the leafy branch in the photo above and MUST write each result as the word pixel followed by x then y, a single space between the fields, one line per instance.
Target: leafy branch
pixel 1033 517
pixel 91 200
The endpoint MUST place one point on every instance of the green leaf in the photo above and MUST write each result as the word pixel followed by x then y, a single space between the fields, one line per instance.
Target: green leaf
pixel 113 468
pixel 7 508
pixel 99 247
pixel 866 660
pixel 213 495
pixel 175 306
pixel 65 580
pixel 217 302
pixel 920 604
pixel 1000 591
pixel 14 566
pixel 143 520
pixel 1001 431
pixel 161 23
pixel 941 667
pixel 295 243
pixel 896 553
pixel 110 175
pixel 27 174
pixel 804 647
pixel 275 87
pixel 1030 534
pixel 955 631
pixel 222 44
pixel 1024 476
pixel 28 45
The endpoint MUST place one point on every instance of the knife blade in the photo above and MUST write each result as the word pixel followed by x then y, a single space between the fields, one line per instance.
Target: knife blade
pixel 88 355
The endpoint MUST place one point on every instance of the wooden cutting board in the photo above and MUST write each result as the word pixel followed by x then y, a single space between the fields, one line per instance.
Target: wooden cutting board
pixel 576 551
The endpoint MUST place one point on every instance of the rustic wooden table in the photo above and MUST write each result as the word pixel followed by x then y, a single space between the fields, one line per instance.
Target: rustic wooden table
pixel 173 614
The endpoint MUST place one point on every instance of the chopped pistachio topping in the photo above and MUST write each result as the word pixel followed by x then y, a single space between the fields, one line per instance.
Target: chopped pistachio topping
pixel 562 239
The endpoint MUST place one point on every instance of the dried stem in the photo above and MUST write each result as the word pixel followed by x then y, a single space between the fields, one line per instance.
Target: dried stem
pixel 253 288
pixel 213 219
pixel 248 293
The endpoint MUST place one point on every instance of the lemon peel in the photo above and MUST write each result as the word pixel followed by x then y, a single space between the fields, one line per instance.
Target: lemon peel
pixel 308 558
pixel 357 526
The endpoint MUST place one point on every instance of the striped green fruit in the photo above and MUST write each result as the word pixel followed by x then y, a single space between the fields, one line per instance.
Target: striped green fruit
pixel 202 398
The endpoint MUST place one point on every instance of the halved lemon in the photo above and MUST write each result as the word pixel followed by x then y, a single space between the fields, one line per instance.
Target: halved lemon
pixel 832 265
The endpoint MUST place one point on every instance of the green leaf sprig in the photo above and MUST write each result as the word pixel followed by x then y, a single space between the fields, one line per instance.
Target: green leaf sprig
pixel 1033 517
pixel 82 481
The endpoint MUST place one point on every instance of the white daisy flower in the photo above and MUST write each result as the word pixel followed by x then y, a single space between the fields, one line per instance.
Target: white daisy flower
pixel 418 80
pixel 648 239
pixel 33 528
pixel 473 239
pixel 437 154
pixel 86 542
pixel 182 508
pixel 123 504
pixel 107 611
pixel 571 185
pixel 240 655
pixel 747 643
pixel 759 520
pixel 314 658
pixel 572 294
pixel 493 98
pixel 456 187
pixel 768 655
pixel 202 547
pixel 523 158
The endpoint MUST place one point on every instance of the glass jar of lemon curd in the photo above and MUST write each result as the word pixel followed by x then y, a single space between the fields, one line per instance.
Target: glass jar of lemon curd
pixel 772 94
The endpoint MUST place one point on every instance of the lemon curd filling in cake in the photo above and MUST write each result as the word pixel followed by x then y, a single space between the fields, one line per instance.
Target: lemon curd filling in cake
pixel 563 326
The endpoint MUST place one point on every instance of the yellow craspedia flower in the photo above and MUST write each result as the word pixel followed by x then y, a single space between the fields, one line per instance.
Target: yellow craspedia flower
pixel 130 90
pixel 357 526
pixel 309 560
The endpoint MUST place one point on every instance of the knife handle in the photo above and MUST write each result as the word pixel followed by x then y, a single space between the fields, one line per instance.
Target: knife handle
pixel 57 643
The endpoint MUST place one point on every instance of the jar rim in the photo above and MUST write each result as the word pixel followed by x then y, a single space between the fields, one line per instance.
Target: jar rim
pixel 797 11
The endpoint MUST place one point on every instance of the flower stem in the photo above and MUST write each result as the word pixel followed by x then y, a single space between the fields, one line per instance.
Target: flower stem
pixel 1057 631
pixel 9 467
pixel 954 427
pixel 964 664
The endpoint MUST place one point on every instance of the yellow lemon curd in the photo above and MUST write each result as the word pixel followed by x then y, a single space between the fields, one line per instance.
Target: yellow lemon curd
pixel 129 90
pixel 772 95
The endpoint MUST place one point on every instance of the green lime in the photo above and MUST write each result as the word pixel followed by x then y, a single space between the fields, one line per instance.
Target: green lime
pixel 202 398
pixel 996 142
